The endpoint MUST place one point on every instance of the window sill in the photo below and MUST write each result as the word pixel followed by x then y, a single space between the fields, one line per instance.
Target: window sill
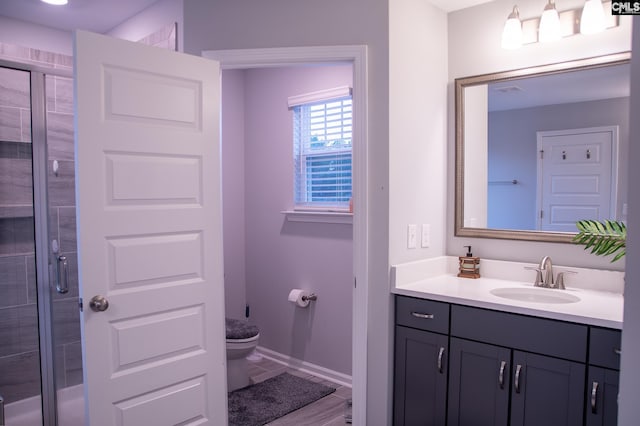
pixel 318 216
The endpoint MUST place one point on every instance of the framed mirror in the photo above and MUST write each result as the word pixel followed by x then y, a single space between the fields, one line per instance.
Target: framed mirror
pixel 538 149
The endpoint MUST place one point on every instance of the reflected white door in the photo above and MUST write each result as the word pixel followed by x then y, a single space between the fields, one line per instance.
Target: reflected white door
pixel 149 234
pixel 576 176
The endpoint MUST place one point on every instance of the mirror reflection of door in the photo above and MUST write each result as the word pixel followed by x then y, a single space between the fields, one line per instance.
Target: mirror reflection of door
pixel 577 172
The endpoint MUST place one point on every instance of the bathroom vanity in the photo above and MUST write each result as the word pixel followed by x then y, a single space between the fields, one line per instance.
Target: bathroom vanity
pixel 466 356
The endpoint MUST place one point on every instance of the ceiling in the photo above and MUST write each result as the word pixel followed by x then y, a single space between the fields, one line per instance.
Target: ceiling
pixel 452 5
pixel 103 15
pixel 94 15
pixel 566 87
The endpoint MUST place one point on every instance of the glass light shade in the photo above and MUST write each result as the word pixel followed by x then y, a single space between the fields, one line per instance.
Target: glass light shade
pixel 56 2
pixel 549 29
pixel 592 20
pixel 512 32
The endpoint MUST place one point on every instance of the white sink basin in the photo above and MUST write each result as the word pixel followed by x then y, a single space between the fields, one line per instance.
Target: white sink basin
pixel 535 295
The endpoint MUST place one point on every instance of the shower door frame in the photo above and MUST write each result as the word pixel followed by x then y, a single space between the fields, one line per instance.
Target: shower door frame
pixel 38 98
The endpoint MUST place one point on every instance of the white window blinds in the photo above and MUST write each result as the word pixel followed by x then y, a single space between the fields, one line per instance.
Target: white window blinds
pixel 322 150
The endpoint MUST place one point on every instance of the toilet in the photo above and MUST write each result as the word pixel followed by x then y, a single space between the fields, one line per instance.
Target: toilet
pixel 242 339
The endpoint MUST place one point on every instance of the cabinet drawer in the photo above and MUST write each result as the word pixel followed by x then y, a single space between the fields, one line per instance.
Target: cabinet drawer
pixel 539 335
pixel 604 347
pixel 422 314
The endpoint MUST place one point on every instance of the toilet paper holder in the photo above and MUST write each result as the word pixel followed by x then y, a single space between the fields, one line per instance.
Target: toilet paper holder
pixel 310 298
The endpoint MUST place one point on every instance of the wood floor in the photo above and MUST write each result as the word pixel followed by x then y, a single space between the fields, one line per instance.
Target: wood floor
pixel 328 411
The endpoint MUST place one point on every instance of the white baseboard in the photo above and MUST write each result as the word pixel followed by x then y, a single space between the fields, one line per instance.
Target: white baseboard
pixel 306 367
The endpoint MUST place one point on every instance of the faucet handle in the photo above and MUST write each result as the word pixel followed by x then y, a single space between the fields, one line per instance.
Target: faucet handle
pixel 560 279
pixel 538 282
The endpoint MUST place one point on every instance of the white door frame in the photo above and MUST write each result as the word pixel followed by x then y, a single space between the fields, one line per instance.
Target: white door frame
pixel 614 164
pixel 357 55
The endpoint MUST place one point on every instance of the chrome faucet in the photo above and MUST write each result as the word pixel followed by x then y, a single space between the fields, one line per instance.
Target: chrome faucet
pixel 544 275
pixel 546 271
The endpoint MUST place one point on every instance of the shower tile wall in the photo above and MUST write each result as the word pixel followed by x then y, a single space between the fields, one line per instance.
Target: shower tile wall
pixel 19 356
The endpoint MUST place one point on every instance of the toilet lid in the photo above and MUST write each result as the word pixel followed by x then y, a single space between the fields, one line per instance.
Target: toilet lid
pixel 237 329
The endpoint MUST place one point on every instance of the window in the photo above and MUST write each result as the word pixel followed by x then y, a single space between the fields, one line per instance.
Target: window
pixel 322 149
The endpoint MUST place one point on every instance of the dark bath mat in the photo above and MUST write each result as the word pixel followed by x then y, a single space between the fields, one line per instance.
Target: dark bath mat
pixel 266 401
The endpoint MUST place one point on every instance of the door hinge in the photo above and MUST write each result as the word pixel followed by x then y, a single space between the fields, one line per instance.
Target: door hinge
pixel 542 154
pixel 80 305
pixel 355 282
pixel 541 214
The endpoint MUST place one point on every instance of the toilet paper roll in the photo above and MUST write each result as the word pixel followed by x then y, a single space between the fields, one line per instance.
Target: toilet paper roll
pixel 295 296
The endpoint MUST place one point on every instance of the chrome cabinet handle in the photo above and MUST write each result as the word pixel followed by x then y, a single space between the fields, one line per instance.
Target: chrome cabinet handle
pixel 503 365
pixel 62 286
pixel 617 351
pixel 99 303
pixel 517 381
pixel 440 356
pixel 594 396
pixel 423 316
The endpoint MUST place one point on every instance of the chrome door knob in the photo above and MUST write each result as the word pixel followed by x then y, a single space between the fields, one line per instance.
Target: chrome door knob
pixel 99 303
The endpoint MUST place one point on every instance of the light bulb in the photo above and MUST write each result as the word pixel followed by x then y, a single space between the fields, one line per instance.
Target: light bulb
pixel 512 32
pixel 549 29
pixel 592 20
pixel 56 2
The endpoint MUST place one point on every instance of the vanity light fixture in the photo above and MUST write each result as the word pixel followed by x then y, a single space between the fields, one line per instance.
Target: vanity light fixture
pixel 549 24
pixel 512 32
pixel 593 19
pixel 56 2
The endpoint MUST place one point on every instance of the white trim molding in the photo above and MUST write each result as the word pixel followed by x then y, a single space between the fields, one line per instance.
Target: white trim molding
pixel 319 96
pixel 357 56
pixel 306 367
pixel 318 216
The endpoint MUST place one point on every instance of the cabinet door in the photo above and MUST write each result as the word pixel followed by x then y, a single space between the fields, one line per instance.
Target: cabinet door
pixel 420 377
pixel 478 384
pixel 546 391
pixel 602 397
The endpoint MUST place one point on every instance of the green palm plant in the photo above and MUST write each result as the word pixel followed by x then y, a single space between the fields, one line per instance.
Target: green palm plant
pixel 604 238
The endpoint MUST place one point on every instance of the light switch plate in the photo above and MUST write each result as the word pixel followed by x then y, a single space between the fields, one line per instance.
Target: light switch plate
pixel 412 236
pixel 426 235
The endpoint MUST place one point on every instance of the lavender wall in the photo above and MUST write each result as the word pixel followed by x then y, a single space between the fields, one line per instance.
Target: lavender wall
pixel 281 255
pixel 233 192
pixel 513 206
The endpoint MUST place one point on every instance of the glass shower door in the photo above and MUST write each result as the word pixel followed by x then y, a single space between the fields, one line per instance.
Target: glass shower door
pixel 67 346
pixel 40 348
pixel 20 379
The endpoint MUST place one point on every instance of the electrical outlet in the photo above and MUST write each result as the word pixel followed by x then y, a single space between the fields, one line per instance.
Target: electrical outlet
pixel 412 236
pixel 426 235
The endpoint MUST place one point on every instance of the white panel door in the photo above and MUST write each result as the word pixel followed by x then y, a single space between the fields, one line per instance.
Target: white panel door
pixel 149 234
pixel 576 176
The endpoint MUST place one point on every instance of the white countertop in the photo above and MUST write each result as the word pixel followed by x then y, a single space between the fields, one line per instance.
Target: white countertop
pixel 436 281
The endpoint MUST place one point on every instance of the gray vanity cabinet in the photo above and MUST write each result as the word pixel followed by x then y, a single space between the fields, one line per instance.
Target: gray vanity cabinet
pixel 493 385
pixel 545 360
pixel 421 352
pixel 479 383
pixel 603 377
pixel 548 391
pixel 602 397
pixel 420 378
pixel 458 365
